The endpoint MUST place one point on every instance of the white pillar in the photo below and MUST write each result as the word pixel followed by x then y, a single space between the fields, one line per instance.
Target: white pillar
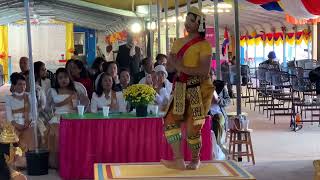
pixel 167 26
pixel 237 49
pixel 177 20
pixel 151 32
pixel 216 28
pixel 295 43
pixel 264 46
pixel 284 47
pixel 159 25
pixel 31 77
pixel 200 4
pixel 188 5
pixel 314 41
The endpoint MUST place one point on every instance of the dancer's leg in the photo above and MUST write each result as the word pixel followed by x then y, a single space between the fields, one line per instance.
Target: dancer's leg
pixel 194 142
pixel 173 135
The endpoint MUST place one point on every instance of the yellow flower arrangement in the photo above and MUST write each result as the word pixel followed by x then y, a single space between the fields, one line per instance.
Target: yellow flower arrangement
pixel 139 94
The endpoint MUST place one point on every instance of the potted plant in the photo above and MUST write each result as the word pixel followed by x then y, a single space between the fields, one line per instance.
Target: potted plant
pixel 139 96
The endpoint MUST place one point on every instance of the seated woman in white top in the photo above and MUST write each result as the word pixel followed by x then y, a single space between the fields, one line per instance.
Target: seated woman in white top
pixel 105 96
pixel 43 84
pixel 18 112
pixel 62 99
pixel 162 86
pixel 40 75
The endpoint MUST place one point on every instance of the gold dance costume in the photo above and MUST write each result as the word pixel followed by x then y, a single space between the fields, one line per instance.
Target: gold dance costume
pixel 192 95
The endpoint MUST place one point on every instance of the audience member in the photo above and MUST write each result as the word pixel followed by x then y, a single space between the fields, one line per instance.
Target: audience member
pixel 42 87
pixel 40 74
pixel 271 62
pixel 112 69
pixel 105 96
pixel 109 53
pixel 220 100
pixel 80 74
pixel 161 59
pixel 24 67
pixel 314 77
pixel 135 65
pixel 124 80
pixel 69 65
pixel 96 68
pixel 129 56
pixel 18 112
pixel 162 81
pixel 162 86
pixel 62 99
pixel 225 74
pixel 147 69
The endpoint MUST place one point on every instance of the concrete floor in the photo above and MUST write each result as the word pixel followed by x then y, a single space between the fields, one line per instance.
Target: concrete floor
pixel 280 153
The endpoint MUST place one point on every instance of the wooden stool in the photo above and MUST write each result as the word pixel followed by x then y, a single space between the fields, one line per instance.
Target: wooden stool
pixel 234 141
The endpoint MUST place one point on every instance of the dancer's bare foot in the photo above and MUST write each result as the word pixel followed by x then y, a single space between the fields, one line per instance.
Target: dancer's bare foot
pixel 174 164
pixel 194 164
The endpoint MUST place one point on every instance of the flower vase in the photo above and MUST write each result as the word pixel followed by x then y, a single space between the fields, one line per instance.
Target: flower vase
pixel 141 110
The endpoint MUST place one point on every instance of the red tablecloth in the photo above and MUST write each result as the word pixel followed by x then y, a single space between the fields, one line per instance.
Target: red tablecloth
pixel 85 142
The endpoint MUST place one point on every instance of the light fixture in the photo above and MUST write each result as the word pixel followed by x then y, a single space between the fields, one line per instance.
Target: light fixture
pixel 224 6
pixel 151 25
pixel 136 27
pixel 173 19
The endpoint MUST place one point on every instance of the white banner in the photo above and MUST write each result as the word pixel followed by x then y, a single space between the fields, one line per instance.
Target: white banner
pixel 48 43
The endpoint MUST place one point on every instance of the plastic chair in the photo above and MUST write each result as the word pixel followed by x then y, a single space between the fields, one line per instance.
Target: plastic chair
pixel 280 80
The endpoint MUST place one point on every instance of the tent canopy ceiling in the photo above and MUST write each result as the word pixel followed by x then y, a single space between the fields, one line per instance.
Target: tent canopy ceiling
pixel 13 10
pixel 131 4
pixel 114 15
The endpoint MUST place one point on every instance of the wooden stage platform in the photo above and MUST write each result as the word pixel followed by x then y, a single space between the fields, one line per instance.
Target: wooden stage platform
pixel 210 170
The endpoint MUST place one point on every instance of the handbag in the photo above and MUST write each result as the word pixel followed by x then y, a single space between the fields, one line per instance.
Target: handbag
pixel 238 123
pixel 234 123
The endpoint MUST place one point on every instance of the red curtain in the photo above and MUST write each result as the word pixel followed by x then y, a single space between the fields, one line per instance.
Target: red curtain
pixel 261 1
pixel 313 6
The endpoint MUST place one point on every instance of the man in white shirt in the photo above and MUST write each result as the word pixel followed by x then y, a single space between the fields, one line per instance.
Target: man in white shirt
pixel 109 53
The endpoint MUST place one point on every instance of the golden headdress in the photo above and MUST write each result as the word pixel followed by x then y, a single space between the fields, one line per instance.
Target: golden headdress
pixel 197 11
pixel 8 134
